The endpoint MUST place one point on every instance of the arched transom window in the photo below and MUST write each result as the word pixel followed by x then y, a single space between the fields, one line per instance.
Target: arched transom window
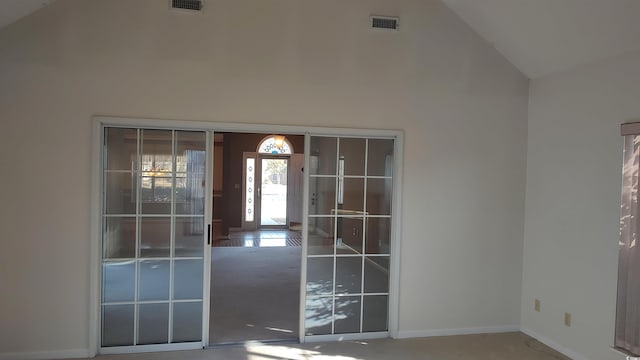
pixel 276 145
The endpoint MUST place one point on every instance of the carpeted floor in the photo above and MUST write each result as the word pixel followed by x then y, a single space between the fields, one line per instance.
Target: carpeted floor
pixel 254 294
pixel 507 346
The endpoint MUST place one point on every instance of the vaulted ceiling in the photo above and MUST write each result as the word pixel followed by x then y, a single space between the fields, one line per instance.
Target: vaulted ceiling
pixel 539 37
pixel 546 36
pixel 13 10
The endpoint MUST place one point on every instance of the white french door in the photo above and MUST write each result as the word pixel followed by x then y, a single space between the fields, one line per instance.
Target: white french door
pixel 155 227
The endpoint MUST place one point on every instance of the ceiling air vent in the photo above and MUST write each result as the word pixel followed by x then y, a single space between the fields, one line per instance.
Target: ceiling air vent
pixel 191 5
pixel 385 23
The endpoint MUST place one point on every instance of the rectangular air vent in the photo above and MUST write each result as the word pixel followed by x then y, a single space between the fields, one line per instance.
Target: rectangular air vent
pixel 385 23
pixel 191 5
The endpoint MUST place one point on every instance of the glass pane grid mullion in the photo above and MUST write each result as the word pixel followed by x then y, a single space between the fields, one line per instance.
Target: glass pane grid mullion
pixel 174 168
pixel 347 255
pixel 379 177
pixel 335 237
pixel 157 258
pixel 116 260
pixel 364 229
pixel 137 215
pixel 138 233
pixel 137 302
pixel 175 301
pixel 324 296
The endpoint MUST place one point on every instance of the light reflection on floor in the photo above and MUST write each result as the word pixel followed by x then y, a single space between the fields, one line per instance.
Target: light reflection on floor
pixel 257 350
pixel 261 238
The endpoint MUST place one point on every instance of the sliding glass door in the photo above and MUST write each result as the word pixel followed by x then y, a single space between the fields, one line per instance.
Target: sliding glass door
pixel 153 236
pixel 348 235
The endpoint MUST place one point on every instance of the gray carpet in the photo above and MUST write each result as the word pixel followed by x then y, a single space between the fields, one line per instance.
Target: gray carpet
pixel 508 346
pixel 254 294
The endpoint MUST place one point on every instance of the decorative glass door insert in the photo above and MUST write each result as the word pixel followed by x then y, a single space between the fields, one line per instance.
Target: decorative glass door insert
pixel 153 237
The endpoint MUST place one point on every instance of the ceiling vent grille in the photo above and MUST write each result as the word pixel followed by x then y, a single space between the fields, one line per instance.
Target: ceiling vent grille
pixel 191 5
pixel 385 23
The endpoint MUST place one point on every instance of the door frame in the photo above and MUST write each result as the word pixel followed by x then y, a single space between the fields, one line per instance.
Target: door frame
pixel 99 125
pixel 100 122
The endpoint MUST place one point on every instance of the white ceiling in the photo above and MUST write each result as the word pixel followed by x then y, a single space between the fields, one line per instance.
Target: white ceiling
pixel 545 36
pixel 12 10
pixel 538 36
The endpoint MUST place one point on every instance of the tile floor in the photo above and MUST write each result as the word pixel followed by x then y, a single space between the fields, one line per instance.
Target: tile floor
pixel 261 238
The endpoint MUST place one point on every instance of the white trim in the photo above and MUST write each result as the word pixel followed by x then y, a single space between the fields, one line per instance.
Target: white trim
pixel 405 334
pixel 95 237
pixel 105 121
pixel 396 237
pixel 208 221
pixel 554 345
pixel 347 337
pixel 40 355
pixel 305 238
pixel 151 348
pixel 133 122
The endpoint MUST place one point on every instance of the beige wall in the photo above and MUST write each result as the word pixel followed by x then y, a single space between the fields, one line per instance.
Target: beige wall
pixel 574 167
pixel 462 106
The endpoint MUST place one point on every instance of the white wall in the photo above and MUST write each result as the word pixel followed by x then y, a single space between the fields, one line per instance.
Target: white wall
pixel 574 166
pixel 462 106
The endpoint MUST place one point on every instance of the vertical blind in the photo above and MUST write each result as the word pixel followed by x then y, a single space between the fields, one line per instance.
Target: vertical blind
pixel 627 332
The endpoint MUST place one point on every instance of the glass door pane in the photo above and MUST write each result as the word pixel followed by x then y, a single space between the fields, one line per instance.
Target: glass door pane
pixel 153 236
pixel 348 235
pixel 273 192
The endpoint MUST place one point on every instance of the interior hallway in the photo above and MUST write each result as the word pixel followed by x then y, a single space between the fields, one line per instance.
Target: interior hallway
pixel 255 287
pixel 506 346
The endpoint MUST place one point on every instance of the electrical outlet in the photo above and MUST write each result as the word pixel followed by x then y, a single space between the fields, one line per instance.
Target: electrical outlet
pixel 536 305
pixel 567 319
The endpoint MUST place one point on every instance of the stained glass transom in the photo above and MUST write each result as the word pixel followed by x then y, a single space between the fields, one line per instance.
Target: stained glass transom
pixel 271 145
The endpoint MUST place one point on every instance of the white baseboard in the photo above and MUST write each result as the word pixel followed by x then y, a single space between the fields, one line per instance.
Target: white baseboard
pixel 46 355
pixel 404 334
pixel 554 345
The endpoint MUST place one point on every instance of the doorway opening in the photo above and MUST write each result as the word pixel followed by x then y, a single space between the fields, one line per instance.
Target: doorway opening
pixel 272 191
pixel 256 251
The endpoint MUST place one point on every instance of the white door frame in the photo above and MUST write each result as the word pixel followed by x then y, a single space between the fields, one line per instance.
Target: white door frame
pixel 96 226
pixel 99 122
